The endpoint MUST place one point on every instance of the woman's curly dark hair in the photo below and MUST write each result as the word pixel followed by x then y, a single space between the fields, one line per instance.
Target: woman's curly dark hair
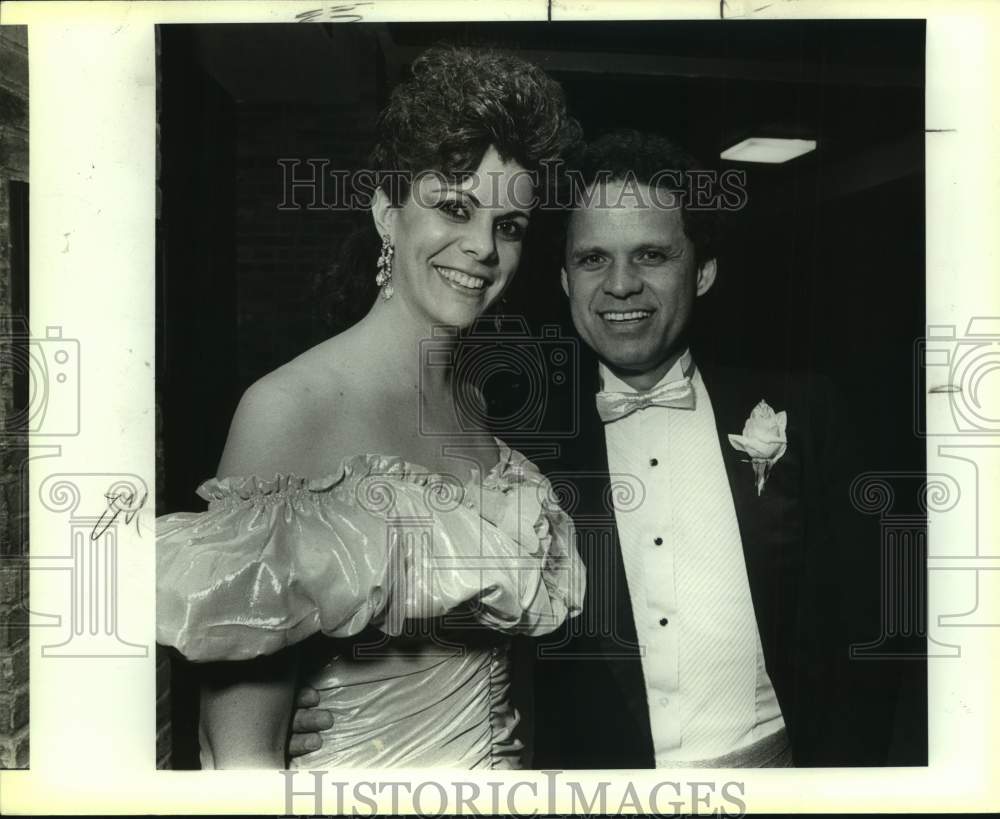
pixel 457 102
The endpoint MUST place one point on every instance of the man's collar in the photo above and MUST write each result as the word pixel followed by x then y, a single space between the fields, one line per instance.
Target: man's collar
pixel 610 382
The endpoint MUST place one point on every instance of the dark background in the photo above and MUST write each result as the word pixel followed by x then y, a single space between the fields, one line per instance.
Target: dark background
pixel 823 269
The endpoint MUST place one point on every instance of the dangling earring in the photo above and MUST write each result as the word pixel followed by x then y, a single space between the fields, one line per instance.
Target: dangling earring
pixel 499 314
pixel 383 278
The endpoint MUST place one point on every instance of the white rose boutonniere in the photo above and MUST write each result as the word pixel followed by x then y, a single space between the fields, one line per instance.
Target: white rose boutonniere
pixel 763 439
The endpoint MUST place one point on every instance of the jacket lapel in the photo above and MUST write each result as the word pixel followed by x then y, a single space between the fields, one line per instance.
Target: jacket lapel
pixel 771 524
pixel 609 598
pixel 726 392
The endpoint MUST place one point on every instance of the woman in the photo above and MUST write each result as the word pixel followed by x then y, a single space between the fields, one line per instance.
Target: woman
pixel 349 501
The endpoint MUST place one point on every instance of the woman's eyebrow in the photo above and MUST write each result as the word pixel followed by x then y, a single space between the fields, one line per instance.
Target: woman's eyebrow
pixel 457 191
pixel 514 212
pixel 475 201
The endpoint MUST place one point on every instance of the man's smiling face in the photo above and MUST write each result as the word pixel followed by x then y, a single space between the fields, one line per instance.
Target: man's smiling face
pixel 631 277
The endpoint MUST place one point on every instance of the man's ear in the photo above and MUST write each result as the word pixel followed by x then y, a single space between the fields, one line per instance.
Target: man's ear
pixel 383 214
pixel 565 280
pixel 706 277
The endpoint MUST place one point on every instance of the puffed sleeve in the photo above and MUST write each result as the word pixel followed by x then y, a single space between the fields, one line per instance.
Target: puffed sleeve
pixel 272 562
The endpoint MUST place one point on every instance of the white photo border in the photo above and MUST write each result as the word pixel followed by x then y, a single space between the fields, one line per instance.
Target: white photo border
pixel 92 265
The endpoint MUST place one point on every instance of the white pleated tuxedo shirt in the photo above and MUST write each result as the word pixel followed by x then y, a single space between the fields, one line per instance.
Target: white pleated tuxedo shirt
pixel 708 691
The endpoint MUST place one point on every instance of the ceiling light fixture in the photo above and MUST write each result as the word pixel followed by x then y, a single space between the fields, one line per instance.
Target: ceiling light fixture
pixel 768 149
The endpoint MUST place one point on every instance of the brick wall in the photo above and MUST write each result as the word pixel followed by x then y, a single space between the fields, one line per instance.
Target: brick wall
pixel 163 726
pixel 280 257
pixel 282 254
pixel 13 512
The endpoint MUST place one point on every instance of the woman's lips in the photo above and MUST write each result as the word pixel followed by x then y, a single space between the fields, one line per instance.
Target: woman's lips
pixel 461 281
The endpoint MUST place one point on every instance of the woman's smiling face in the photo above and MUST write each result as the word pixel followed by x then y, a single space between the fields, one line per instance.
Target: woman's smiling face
pixel 458 244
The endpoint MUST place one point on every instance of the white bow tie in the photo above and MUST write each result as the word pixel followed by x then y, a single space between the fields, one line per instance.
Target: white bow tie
pixel 677 394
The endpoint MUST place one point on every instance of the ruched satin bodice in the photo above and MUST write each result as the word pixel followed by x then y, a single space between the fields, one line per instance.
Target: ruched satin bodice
pixel 417 703
pixel 387 548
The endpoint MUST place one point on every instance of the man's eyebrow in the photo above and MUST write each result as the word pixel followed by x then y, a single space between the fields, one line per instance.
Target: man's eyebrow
pixel 584 250
pixel 667 248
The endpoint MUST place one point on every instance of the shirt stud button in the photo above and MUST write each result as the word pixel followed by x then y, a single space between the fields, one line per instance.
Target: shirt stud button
pixel 664 701
pixel 663 621
pixel 653 462
pixel 658 541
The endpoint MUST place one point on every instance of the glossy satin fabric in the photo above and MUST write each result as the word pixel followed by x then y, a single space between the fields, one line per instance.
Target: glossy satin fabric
pixel 379 544
pixel 417 705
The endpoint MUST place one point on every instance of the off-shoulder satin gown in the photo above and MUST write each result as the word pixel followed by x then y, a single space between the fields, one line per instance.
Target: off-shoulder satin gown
pixel 382 547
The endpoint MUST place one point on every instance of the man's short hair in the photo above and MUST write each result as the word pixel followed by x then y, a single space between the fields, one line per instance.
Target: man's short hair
pixel 656 162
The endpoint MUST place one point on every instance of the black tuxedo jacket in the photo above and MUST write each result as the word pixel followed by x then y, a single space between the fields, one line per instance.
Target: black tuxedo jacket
pixel 812 562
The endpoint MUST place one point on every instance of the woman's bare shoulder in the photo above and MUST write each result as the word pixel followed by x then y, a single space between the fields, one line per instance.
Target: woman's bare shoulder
pixel 282 422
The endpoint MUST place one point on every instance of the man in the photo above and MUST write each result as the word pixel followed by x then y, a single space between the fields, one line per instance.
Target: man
pixel 712 514
pixel 714 631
